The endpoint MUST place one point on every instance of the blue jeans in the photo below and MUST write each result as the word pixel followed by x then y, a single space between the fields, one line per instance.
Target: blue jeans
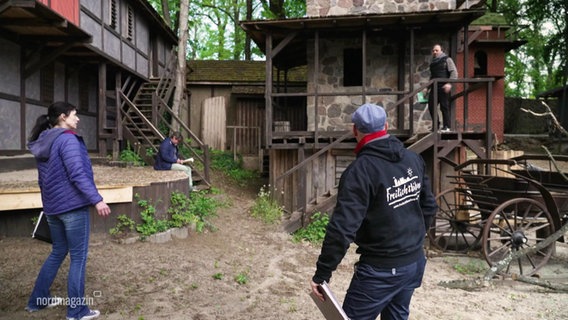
pixel 384 291
pixel 70 234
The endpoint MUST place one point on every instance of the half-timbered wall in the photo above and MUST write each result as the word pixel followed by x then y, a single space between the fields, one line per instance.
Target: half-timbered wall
pixel 124 35
pixel 129 40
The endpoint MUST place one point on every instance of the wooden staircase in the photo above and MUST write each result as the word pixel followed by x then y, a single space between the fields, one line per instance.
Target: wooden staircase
pixel 148 114
pixel 435 145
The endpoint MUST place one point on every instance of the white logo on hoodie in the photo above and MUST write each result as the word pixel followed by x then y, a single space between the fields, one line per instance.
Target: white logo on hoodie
pixel 404 190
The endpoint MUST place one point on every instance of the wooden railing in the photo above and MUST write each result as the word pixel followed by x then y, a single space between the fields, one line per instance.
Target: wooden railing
pixel 298 202
pixel 146 135
pixel 308 192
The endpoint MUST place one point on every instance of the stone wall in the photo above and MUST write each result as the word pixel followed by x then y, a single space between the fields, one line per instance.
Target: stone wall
pixel 323 8
pixel 334 112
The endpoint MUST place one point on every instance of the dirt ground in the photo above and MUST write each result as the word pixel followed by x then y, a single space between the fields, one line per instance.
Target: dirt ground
pixel 195 278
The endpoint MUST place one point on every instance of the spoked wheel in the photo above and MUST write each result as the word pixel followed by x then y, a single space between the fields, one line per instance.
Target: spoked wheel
pixel 458 223
pixel 515 225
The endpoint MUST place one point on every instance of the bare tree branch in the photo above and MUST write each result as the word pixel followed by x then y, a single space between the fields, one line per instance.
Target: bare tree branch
pixel 548 113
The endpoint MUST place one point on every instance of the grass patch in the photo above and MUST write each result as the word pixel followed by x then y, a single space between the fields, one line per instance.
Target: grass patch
pixel 313 232
pixel 266 208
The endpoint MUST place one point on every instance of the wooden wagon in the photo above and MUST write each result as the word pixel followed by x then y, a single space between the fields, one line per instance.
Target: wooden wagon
pixel 502 206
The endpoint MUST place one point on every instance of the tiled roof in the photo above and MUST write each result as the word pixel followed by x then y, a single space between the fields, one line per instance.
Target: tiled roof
pixel 490 19
pixel 234 71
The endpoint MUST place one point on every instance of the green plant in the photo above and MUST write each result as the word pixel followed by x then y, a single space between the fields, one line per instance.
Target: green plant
pixel 471 267
pixel 203 208
pixel 218 276
pixel 150 152
pixel 130 156
pixel 315 231
pixel 150 225
pixel 123 226
pixel 242 278
pixel 180 210
pixel 231 167
pixel 184 150
pixel 266 208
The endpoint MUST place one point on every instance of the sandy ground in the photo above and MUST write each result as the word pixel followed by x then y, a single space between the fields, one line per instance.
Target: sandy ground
pixel 195 278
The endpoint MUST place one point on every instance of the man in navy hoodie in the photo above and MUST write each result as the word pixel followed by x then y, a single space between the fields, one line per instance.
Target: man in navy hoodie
pixel 168 157
pixel 384 205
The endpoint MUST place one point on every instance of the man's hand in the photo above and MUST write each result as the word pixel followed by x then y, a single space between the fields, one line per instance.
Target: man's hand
pixel 102 209
pixel 447 87
pixel 315 289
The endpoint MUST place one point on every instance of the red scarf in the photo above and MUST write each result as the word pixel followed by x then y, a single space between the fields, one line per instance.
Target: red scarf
pixel 366 139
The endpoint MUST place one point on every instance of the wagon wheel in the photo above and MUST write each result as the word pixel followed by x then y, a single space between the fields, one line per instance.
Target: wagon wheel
pixel 514 225
pixel 458 222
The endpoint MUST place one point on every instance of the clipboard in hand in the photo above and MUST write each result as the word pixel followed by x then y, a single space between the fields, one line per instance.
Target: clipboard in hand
pixel 330 307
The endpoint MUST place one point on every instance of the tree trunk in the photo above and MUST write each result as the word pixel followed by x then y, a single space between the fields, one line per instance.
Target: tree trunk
pixel 166 12
pixel 181 59
pixel 248 55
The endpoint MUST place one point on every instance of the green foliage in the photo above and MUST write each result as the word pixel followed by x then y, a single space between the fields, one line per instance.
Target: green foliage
pixel 184 150
pixel 471 267
pixel 150 225
pixel 313 232
pixel 218 276
pixel 180 210
pixel 151 152
pixel 467 265
pixel 226 163
pixel 128 155
pixel 266 208
pixel 203 209
pixel 242 278
pixel 184 211
pixel 539 64
pixel 123 226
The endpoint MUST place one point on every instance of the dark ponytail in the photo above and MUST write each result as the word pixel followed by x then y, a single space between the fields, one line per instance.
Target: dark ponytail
pixel 50 119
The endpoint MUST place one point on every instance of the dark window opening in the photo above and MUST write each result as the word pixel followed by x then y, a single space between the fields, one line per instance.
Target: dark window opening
pixel 46 90
pixel 113 14
pixel 480 64
pixel 130 24
pixel 353 67
pixel 83 91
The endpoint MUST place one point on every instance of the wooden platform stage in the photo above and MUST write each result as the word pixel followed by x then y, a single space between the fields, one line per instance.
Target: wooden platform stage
pixel 20 199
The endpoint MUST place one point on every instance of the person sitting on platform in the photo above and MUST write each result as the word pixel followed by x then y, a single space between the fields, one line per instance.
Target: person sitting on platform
pixel 168 157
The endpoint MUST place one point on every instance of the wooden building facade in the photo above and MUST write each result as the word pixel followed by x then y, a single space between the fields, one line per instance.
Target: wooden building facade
pixel 372 52
pixel 96 55
pixel 78 51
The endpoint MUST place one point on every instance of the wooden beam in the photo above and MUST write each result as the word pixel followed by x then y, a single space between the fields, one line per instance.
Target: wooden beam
pixel 31 199
pixel 283 44
pixel 43 61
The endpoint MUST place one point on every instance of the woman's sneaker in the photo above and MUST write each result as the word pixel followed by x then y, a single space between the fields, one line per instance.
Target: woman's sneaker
pixel 51 302
pixel 91 315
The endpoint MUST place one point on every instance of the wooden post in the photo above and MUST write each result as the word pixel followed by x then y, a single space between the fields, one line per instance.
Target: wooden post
pixel 302 192
pixel 101 110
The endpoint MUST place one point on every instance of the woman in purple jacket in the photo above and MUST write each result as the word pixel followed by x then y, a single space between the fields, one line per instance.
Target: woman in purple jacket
pixel 67 185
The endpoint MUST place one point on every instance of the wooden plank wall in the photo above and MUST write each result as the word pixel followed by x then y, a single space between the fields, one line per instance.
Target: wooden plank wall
pixel 321 175
pixel 18 223
pixel 285 191
pixel 213 123
pixel 250 119
pixel 67 8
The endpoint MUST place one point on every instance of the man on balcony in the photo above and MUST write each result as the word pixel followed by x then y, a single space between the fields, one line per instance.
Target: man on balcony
pixel 443 67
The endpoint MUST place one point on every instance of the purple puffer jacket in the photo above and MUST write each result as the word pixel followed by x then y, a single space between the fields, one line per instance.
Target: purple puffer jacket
pixel 65 172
